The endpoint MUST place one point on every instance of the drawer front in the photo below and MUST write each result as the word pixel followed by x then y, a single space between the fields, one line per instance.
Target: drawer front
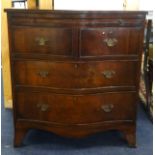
pixel 41 40
pixel 76 109
pixel 109 41
pixel 75 75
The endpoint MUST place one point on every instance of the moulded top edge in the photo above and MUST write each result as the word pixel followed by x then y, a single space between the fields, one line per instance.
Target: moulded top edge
pixel 73 11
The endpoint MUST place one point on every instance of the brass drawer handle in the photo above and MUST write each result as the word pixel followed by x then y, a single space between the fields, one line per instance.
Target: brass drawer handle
pixel 42 106
pixel 107 108
pixel 121 21
pixel 43 74
pixel 111 41
pixel 108 73
pixel 41 41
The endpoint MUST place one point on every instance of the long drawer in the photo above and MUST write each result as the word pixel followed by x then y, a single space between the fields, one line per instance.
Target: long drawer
pixel 76 109
pixel 75 74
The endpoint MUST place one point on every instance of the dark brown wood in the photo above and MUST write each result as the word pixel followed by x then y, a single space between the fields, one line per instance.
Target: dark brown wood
pixel 76 109
pixel 19 134
pixel 54 41
pixel 79 74
pixel 74 91
pixel 130 136
pixel 75 73
pixel 127 41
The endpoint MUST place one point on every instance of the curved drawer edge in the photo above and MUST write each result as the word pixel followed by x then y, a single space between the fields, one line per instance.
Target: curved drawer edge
pixel 75 91
pixel 87 125
pixel 76 131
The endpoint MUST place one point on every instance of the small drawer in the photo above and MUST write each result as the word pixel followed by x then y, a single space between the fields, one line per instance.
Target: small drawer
pixel 109 41
pixel 41 40
pixel 92 108
pixel 75 75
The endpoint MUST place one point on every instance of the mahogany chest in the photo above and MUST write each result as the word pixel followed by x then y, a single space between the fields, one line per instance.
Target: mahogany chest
pixel 75 73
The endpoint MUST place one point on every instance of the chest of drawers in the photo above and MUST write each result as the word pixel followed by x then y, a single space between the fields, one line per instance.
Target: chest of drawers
pixel 75 73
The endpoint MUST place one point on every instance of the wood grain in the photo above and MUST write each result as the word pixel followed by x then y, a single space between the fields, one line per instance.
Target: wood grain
pixel 76 85
pixel 75 74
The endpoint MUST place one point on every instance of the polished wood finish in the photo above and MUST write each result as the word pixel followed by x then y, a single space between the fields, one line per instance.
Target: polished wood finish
pixel 79 74
pixel 42 40
pixel 125 44
pixel 76 109
pixel 75 73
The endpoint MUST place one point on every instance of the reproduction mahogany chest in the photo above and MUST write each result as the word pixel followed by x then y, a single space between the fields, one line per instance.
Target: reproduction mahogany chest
pixel 75 73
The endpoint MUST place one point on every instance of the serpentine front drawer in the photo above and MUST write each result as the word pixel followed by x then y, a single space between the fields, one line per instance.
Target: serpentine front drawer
pixel 76 109
pixel 75 75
